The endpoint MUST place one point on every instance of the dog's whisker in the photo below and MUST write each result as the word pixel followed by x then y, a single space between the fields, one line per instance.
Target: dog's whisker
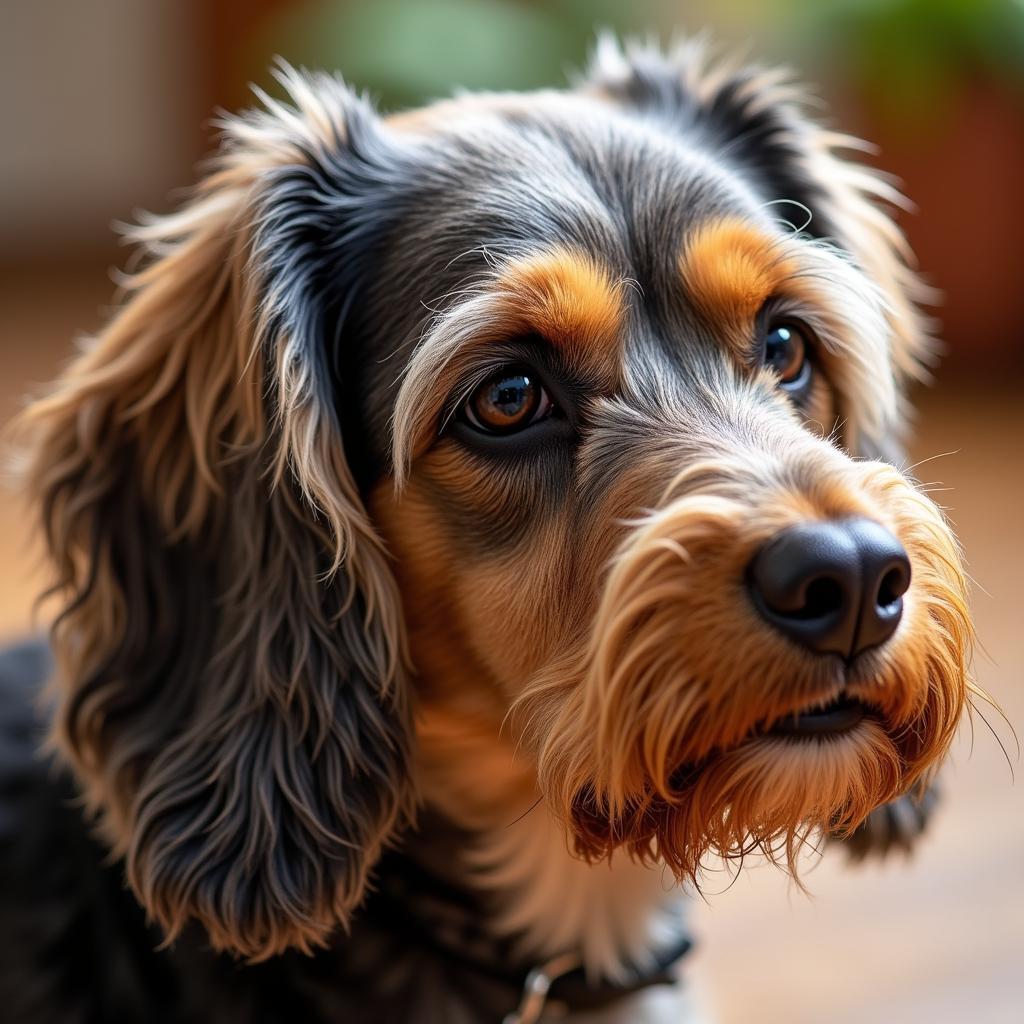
pixel 528 810
pixel 1002 747
pixel 908 470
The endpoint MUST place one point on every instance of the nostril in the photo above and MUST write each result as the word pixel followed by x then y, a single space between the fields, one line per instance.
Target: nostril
pixel 824 596
pixel 893 586
pixel 806 583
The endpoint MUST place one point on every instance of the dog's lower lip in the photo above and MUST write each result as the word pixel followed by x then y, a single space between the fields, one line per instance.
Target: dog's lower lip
pixel 839 716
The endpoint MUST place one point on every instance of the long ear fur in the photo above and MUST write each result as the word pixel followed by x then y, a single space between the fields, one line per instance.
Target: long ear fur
pixel 756 118
pixel 231 654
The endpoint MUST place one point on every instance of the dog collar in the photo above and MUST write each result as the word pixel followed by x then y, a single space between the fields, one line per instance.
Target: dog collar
pixel 446 920
pixel 562 979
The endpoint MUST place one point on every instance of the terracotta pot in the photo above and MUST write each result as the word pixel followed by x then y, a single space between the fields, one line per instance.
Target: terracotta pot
pixel 965 172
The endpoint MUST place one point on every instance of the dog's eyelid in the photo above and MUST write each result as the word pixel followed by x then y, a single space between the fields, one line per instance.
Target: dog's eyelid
pixel 782 311
pixel 461 394
pixel 780 306
pixel 529 352
pixel 780 315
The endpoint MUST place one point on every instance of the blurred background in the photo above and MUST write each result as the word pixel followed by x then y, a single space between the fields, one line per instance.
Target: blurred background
pixel 105 108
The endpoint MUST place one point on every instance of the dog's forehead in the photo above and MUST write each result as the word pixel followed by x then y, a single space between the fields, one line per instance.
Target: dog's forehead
pixel 594 202
pixel 516 175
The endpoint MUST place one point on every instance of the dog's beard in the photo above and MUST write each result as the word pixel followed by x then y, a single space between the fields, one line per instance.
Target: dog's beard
pixel 765 794
pixel 655 733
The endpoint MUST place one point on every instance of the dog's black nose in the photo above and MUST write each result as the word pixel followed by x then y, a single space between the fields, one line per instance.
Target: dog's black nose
pixel 834 587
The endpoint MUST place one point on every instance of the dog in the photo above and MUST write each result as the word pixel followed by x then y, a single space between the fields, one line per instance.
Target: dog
pixel 471 521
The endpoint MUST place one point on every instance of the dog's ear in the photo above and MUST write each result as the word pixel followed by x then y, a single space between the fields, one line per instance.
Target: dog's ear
pixel 756 119
pixel 231 682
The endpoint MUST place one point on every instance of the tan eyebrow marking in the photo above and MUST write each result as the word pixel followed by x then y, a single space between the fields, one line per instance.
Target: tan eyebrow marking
pixel 569 298
pixel 730 268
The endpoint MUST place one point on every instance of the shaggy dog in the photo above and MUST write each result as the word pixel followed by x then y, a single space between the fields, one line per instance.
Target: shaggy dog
pixel 471 520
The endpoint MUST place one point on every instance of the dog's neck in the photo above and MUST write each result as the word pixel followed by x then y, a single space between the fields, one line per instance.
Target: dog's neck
pixel 614 915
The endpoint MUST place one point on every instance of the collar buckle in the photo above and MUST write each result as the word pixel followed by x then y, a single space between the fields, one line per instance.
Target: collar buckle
pixel 536 987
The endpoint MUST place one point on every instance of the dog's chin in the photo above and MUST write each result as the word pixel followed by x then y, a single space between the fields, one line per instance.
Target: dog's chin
pixel 824 769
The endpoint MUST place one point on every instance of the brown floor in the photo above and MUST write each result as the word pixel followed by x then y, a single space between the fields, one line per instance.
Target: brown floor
pixel 937 940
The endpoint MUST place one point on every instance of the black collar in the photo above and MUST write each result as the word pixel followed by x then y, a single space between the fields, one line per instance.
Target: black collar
pixel 448 921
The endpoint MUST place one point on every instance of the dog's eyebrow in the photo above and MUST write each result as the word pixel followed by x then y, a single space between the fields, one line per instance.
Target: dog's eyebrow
pixel 567 297
pixel 730 267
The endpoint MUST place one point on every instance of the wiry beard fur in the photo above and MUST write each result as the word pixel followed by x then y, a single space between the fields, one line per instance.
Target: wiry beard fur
pixel 651 735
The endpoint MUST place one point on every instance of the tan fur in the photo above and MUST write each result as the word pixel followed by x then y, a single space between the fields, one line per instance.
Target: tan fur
pixel 185 386
pixel 570 300
pixel 638 669
pixel 730 268
pixel 477 625
pixel 546 899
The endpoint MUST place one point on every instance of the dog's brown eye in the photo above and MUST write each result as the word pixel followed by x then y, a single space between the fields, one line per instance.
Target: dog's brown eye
pixel 507 402
pixel 785 351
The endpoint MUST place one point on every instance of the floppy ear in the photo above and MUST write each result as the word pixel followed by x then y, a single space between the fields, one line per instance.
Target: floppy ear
pixel 755 118
pixel 231 681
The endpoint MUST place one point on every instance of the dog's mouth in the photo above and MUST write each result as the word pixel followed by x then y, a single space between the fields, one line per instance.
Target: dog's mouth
pixel 832 719
pixel 840 715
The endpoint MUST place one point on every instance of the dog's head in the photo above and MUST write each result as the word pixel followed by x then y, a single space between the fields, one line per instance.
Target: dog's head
pixel 544 397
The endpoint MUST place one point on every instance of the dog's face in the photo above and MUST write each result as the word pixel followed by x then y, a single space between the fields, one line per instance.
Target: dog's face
pixel 563 358
pixel 639 379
